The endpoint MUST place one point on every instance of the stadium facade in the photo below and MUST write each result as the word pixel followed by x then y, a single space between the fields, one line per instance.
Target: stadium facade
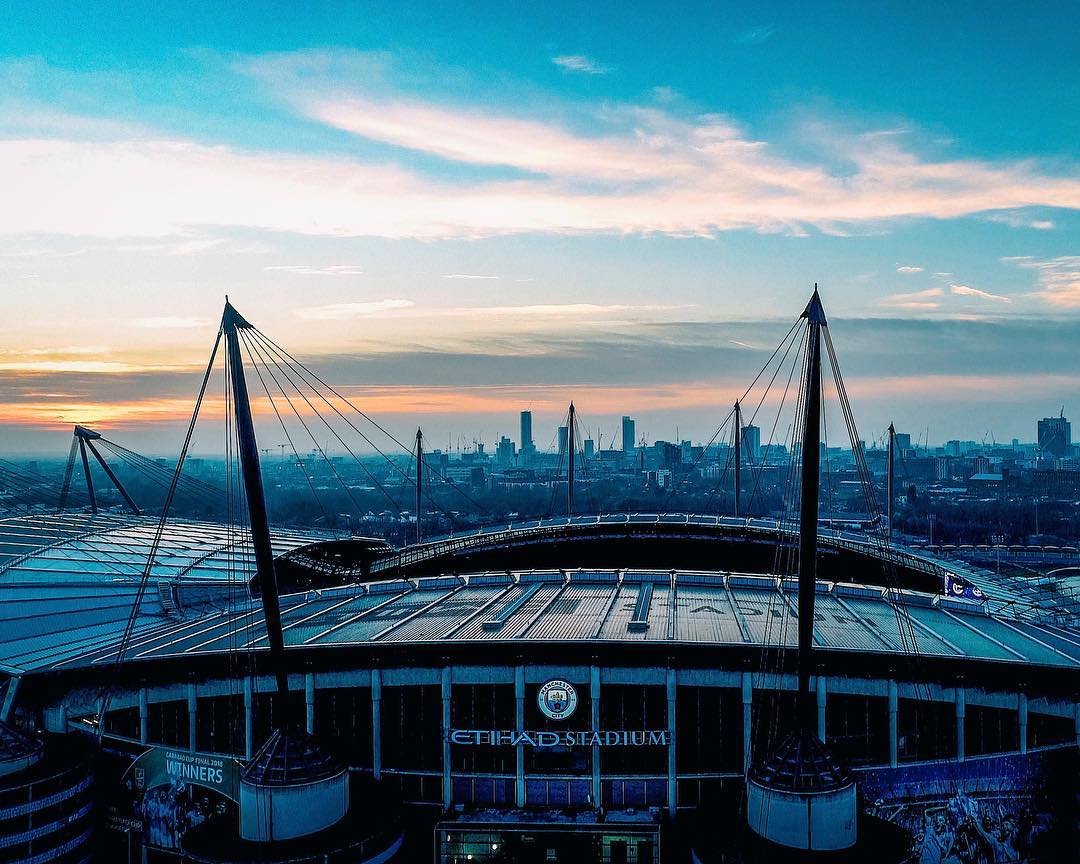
pixel 512 713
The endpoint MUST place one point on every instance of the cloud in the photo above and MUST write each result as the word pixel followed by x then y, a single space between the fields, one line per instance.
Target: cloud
pixel 579 63
pixel 622 169
pixel 755 35
pixel 914 300
pixel 968 291
pixel 1020 220
pixel 909 268
pixel 169 322
pixel 1059 278
pixel 317 270
pixel 348 311
pixel 564 309
pixel 468 276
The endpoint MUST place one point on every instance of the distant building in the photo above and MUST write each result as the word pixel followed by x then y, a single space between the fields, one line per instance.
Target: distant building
pixel 751 442
pixel 564 439
pixel 504 453
pixel 903 442
pixel 1055 436
pixel 590 448
pixel 629 434
pixel 527 445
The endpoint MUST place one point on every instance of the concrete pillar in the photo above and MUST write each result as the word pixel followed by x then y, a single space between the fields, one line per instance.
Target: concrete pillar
pixel 447 789
pixel 1076 722
pixel 64 720
pixel 747 716
pixel 594 726
pixel 376 723
pixel 309 702
pixel 192 715
pixel 1022 710
pixel 249 718
pixel 894 730
pixel 961 712
pixel 821 696
pixel 144 717
pixel 672 791
pixel 519 726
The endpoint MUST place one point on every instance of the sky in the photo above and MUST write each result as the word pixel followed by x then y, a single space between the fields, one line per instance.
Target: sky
pixel 459 210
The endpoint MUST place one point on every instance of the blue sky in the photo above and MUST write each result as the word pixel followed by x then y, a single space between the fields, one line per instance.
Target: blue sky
pixel 460 196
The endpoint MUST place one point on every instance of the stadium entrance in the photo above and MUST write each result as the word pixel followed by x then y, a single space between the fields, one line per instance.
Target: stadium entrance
pixel 549 838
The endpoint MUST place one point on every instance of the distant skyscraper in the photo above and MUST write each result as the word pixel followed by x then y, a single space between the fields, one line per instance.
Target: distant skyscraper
pixel 903 442
pixel 504 453
pixel 751 442
pixel 629 434
pixel 1055 436
pixel 564 439
pixel 590 448
pixel 526 433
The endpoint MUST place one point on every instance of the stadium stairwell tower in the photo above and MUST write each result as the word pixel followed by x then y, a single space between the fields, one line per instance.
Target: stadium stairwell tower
pixel 290 788
pixel 800 796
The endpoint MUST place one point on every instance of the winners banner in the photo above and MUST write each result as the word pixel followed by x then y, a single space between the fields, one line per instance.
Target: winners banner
pixel 169 791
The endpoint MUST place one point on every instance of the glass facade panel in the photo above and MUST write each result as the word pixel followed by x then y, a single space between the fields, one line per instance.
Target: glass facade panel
pixel 991 730
pixel 857 728
pixel 633 709
pixel 219 726
pixel 708 730
pixel 483 706
pixel 343 721
pixel 926 730
pixel 412 728
pixel 167 723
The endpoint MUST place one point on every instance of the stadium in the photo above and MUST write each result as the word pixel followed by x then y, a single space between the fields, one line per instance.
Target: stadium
pixel 612 688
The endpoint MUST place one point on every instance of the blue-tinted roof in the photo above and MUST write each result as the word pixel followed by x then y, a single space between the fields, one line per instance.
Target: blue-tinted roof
pixel 66 597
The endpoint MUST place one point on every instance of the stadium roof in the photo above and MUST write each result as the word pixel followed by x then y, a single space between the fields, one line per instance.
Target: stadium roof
pixel 67 586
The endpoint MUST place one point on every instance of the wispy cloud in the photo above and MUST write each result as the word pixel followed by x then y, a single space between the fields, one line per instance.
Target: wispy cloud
pixel 909 268
pixel 317 270
pixel 915 300
pixel 968 291
pixel 170 322
pixel 1021 220
pixel 638 169
pixel 1059 278
pixel 348 311
pixel 580 63
pixel 755 35
pixel 468 276
pixel 567 309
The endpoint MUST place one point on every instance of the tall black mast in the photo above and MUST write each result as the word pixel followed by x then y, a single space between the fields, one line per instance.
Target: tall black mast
pixel 808 524
pixel 889 487
pixel 738 452
pixel 419 482
pixel 570 463
pixel 231 323
pixel 89 478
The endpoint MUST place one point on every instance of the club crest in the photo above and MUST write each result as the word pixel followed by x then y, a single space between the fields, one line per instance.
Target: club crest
pixel 557 699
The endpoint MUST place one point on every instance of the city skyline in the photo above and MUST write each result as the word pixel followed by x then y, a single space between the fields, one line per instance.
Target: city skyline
pixel 458 213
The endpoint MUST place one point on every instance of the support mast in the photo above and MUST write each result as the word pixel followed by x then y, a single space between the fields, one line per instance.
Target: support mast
pixel 419 483
pixel 570 463
pixel 232 322
pixel 890 489
pixel 89 479
pixel 808 523
pixel 738 453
